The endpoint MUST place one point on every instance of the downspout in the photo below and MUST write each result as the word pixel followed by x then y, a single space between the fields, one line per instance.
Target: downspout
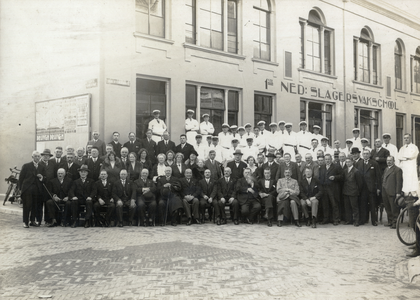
pixel 344 69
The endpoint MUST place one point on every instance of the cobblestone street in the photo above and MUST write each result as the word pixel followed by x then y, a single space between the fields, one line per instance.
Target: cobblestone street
pixel 203 262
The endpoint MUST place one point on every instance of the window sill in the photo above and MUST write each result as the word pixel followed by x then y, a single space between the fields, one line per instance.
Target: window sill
pixel 368 84
pixel 317 73
pixel 415 94
pixel 265 62
pixel 400 91
pixel 209 50
pixel 153 38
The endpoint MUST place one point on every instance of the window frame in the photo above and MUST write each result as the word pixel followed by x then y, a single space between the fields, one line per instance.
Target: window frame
pixel 164 18
pixel 374 125
pixel 415 62
pixel 268 28
pixel 259 113
pixel 400 57
pixel 373 59
pixel 326 124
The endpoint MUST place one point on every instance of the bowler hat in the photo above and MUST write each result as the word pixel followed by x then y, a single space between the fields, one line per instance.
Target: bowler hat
pixel 355 150
pixel 47 152
pixel 83 168
pixel 270 155
pixel 238 151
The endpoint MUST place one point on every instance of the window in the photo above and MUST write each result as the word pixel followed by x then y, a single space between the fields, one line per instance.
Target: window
pixel 263 108
pixel 368 122
pixel 399 127
pixel 416 130
pixel 151 17
pixel 399 59
pixel 316 44
pixel 150 95
pixel 366 58
pixel 415 72
pixel 213 102
pixel 317 113
pixel 216 20
pixel 261 29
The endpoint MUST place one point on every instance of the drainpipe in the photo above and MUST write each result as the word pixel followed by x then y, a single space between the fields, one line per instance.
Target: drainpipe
pixel 344 69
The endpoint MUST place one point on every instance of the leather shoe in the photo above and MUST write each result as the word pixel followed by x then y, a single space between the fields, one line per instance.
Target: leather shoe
pixel 224 222
pixel 313 222
pixel 308 222
pixel 25 225
pixel 269 224
pixel 87 225
pixel 174 223
pixel 356 224
pixel 279 223
pixel 387 225
pixel 218 222
pixel 34 224
pixel 348 223
pixel 415 253
pixel 393 226
pixel 197 221
pixel 335 223
pixel 248 221
pixel 297 224
pixel 374 224
pixel 73 225
pixel 52 224
pixel 189 222
pixel 236 222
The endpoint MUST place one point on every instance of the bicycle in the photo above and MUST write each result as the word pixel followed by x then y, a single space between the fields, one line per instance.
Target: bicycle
pixel 406 234
pixel 13 192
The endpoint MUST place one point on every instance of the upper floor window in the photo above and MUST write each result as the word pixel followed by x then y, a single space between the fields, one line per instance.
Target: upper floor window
pixel 215 21
pixel 399 61
pixel 316 51
pixel 261 29
pixel 366 58
pixel 151 17
pixel 415 72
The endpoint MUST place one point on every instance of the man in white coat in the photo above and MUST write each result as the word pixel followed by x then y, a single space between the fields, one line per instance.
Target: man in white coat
pixel 191 126
pixel 393 150
pixel 407 157
pixel 206 128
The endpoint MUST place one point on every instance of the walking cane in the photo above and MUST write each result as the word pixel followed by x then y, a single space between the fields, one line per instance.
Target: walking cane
pixel 58 207
pixel 167 207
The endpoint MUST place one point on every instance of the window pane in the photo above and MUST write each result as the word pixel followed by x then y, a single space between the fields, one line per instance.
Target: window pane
pixel 265 51
pixel 233 101
pixel 157 26
pixel 216 40
pixel 157 8
pixel 327 52
pixel 397 71
pixel 205 19
pixel 302 110
pixel 142 5
pixel 191 95
pixel 216 22
pixel 257 50
pixel 216 6
pixel 205 38
pixel 142 23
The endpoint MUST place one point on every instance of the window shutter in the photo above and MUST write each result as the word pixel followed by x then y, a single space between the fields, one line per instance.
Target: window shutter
pixel 288 64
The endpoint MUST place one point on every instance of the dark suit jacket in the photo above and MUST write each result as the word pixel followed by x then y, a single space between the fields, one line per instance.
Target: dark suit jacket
pixel 371 174
pixel 325 174
pixel 82 190
pixel 226 190
pixel 56 166
pixel 209 189
pixel 94 168
pixel 80 162
pixel 28 180
pixel 116 148
pixel 271 190
pixel 124 193
pixel 101 191
pixel 313 190
pixel 175 188
pixel 293 166
pixel 134 173
pixel 216 171
pixel 175 171
pixel 151 149
pixel 186 151
pixel 242 192
pixel 274 169
pixel 133 147
pixel 140 184
pixel 353 182
pixel 100 144
pixel 392 181
pixel 71 173
pixel 381 155
pixel 190 188
pixel 314 166
pixel 237 172
pixel 161 147
pixel 61 190
pixel 50 170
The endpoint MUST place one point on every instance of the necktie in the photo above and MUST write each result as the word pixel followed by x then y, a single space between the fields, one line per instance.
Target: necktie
pixel 94 160
pixel 227 180
pixel 46 163
pixel 166 143
pixel 158 121
pixel 104 182
pixel 36 165
pixel 69 166
pixel 123 182
pixel 58 160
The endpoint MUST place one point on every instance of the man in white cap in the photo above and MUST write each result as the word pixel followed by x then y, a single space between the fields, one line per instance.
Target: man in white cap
pixel 201 148
pixel 325 147
pixel 250 150
pixel 234 131
pixel 191 126
pixel 248 131
pixel 261 126
pixel 272 138
pixel 228 153
pixel 407 157
pixel 316 134
pixel 365 145
pixel 393 150
pixel 218 149
pixel 259 140
pixel 157 126
pixel 303 138
pixel 357 142
pixel 225 138
pixel 349 145
pixel 290 141
pixel 241 137
pixel 206 128
pixel 280 134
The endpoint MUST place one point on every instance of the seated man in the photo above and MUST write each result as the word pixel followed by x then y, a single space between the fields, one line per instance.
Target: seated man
pixel 208 189
pixel 124 194
pixel 102 193
pixel 310 194
pixel 59 189
pixel 170 196
pixel 226 196
pixel 248 197
pixel 267 188
pixel 190 194
pixel 288 191
pixel 80 194
pixel 146 197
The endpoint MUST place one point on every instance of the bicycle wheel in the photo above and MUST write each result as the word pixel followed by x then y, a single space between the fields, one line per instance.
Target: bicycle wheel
pixel 9 189
pixel 405 233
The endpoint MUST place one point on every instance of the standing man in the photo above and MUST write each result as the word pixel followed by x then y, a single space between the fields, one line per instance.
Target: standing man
pixel 349 145
pixel 49 174
pixel 237 166
pixel 259 140
pixel 225 138
pixel 357 142
pixel 191 126
pixel 116 145
pixel 287 199
pixel 365 145
pixel 288 164
pixel 213 165
pixel 408 164
pixel 380 154
pixel 124 158
pixel 124 195
pixel 206 128
pixel 30 183
pixel 157 126
pixel 201 148
pixel 304 139
pixel 392 181
pixel 70 167
pixel 250 149
pixel 393 150
pixel 184 147
pixel 290 141
pixel 325 147
pixel 58 159
pixel 353 183
pixel 94 164
pixel 150 145
pixel 165 144
pixel 132 145
pixel 316 134
pixel 96 142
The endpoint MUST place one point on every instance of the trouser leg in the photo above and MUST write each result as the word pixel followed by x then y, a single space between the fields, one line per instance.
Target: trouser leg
pixel 372 207
pixel 27 205
pixel 162 209
pixel 187 208
pixel 51 208
pixel 355 208
pixel 294 208
pixel 217 208
pixel 118 211
pixel 110 212
pixel 245 210
pixel 304 208
pixel 202 207
pixel 195 208
pixel 235 209
pixel 314 207
pixel 141 209
pixel 255 209
pixel 364 206
pixel 386 199
pixel 348 208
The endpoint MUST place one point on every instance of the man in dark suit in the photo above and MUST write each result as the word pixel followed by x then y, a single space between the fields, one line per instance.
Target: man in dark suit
pixel 146 198
pixel 237 166
pixel 170 196
pixel 81 194
pixel 248 197
pixel 102 195
pixel 379 154
pixel 190 194
pixel 165 145
pixel 178 168
pixel 391 189
pixel 371 175
pixel 267 193
pixel 270 164
pixel 124 158
pixel 49 174
pixel 341 163
pixel 150 145
pixel 288 164
pixel 30 183
pixel 80 157
pixel 94 164
pixel 353 183
pixel 300 163
pixel 329 177
pixel 226 195
pixel 59 188
pixel 184 147
pixel 214 166
pixel 99 144
pixel 132 145
pixel 58 159
pixel 70 167
pixel 208 191
pixel 124 194
pixel 116 145
pixel 310 163
pixel 310 195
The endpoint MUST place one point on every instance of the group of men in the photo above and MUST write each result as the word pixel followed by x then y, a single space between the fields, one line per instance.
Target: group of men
pixel 295 177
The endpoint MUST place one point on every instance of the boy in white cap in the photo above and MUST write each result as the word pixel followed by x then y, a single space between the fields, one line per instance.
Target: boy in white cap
pixel 157 126
pixel 225 138
pixel 248 131
pixel 303 138
pixel 191 126
pixel 357 142
pixel 206 128
pixel 289 141
pixel 393 150
pixel 316 134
